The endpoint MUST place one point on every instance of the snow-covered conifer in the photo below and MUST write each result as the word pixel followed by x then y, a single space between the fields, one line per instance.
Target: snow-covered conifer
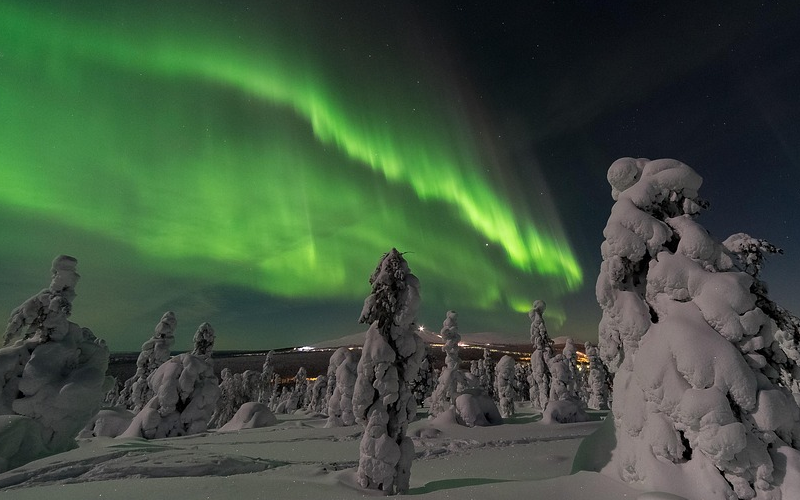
pixel 318 389
pixel 542 351
pixel 186 393
pixel 333 364
pixel 340 405
pixel 52 373
pixel 598 379
pixel 486 372
pixel 267 370
pixel 522 383
pixel 155 352
pixel 447 388
pixel 425 382
pixel 570 353
pixel 390 360
pixel 504 380
pixel 697 410
pixel 203 341
pixel 225 407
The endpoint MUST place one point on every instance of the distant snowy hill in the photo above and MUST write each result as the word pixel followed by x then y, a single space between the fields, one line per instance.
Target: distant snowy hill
pixel 429 337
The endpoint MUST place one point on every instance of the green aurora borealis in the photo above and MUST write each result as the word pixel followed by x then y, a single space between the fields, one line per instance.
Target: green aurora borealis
pixel 274 151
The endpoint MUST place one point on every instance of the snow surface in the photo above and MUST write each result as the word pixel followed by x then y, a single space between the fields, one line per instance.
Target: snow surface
pixel 298 458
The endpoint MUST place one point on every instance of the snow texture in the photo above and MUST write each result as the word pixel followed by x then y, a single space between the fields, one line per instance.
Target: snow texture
pixel 390 360
pixel 699 410
pixel 52 373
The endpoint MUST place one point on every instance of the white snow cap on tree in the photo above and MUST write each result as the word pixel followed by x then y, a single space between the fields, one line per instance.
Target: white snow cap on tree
pixel 52 375
pixel 698 407
pixel 390 360
pixel 204 341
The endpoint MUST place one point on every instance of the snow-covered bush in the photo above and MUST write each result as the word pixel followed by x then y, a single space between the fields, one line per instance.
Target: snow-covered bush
pixel 542 351
pixel 155 352
pixel 340 405
pixel 504 381
pixel 52 373
pixel 390 360
pixel 699 407
pixel 186 393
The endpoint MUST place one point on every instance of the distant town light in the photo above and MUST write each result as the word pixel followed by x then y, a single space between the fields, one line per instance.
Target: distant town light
pixel 421 328
pixel 305 348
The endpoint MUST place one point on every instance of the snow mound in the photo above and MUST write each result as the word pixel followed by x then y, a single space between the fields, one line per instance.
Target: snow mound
pixel 250 416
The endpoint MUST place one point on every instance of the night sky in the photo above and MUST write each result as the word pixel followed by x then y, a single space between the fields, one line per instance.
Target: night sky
pixel 248 163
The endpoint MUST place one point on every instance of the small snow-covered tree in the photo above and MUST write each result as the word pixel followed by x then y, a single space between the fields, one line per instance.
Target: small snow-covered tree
pixel 699 410
pixel 340 405
pixel 598 379
pixel 204 342
pixel 267 370
pixel 155 352
pixel 504 380
pixel 390 360
pixel 542 351
pixel 333 363
pixel 52 373
pixel 318 389
pixel 522 383
pixel 447 389
pixel 570 353
pixel 186 393
pixel 225 407
pixel 486 371
pixel 425 382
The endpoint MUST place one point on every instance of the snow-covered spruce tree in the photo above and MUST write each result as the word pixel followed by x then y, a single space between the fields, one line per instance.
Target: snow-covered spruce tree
pixel 424 383
pixel 522 383
pixel 570 353
pixel 390 359
pixel 542 351
pixel 504 381
pixel 52 373
pixel 155 352
pixel 486 370
pixel 225 407
pixel 333 363
pixel 267 370
pixel 750 254
pixel 340 404
pixel 598 379
pixel 186 393
pixel 318 389
pixel 697 404
pixel 447 388
pixel 251 386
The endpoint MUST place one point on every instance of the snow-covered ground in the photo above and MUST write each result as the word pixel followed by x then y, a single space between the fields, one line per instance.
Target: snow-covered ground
pixel 300 459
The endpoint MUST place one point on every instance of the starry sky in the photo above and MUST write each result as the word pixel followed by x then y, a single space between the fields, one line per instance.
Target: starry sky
pixel 247 163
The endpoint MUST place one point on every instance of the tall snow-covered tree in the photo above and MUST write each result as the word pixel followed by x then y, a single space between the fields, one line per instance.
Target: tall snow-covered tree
pixel 333 364
pixel 570 353
pixel 155 352
pixel 542 352
pixel 390 360
pixel 340 404
pixel 504 381
pixel 52 373
pixel 447 388
pixel 699 408
pixel 267 370
pixel 597 380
